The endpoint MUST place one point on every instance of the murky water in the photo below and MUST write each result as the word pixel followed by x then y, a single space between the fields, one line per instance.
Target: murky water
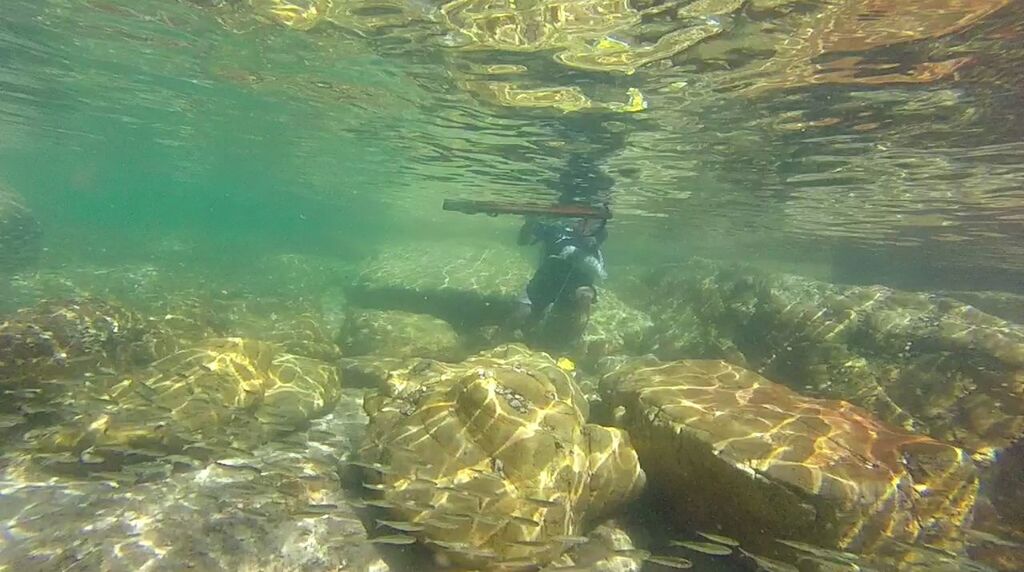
pixel 189 170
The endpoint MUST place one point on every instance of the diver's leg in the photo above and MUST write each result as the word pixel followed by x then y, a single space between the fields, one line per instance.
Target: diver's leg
pixel 583 301
pixel 530 307
pixel 521 313
pixel 541 292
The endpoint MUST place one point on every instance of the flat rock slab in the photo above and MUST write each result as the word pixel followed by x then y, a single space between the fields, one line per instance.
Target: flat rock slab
pixel 398 334
pixel 615 328
pixel 1005 305
pixel 464 285
pixel 731 450
pixel 472 288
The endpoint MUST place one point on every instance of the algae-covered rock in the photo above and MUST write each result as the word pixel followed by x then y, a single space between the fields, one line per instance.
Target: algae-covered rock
pixel 369 371
pixel 727 448
pixel 397 334
pixel 193 305
pixel 20 234
pixel 226 391
pixel 64 338
pixel 927 363
pixel 493 458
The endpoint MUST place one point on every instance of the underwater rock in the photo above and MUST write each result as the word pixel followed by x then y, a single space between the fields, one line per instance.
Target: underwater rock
pixel 1007 486
pixel 614 328
pixel 193 305
pixel 493 458
pixel 465 286
pixel 197 401
pixel 20 234
pixel 1005 305
pixel 924 362
pixel 298 275
pixel 65 338
pixel 397 334
pixel 729 450
pixel 369 371
pixel 279 506
pixel 300 334
pixel 476 289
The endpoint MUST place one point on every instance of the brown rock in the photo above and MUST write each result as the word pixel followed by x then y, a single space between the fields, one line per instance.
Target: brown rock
pixel 730 449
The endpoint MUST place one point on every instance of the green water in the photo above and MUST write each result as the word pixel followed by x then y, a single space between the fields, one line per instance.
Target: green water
pixel 128 124
pixel 172 149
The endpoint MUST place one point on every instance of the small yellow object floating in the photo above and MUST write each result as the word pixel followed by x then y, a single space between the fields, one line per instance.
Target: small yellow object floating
pixel 566 364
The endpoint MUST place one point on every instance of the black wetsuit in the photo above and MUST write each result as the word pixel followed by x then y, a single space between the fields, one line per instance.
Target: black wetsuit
pixel 571 260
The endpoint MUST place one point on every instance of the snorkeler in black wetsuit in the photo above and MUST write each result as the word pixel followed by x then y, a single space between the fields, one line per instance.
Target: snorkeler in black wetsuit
pixel 556 306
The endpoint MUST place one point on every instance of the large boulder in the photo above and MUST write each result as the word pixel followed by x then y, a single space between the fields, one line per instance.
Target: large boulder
pixel 20 234
pixel 221 393
pixel 492 459
pixel 924 362
pixel 397 334
pixel 729 450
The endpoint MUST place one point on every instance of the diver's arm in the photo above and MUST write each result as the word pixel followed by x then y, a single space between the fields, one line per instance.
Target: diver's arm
pixel 526 234
pixel 531 232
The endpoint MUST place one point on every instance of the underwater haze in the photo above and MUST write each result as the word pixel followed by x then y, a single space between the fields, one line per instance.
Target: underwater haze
pixel 239 332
